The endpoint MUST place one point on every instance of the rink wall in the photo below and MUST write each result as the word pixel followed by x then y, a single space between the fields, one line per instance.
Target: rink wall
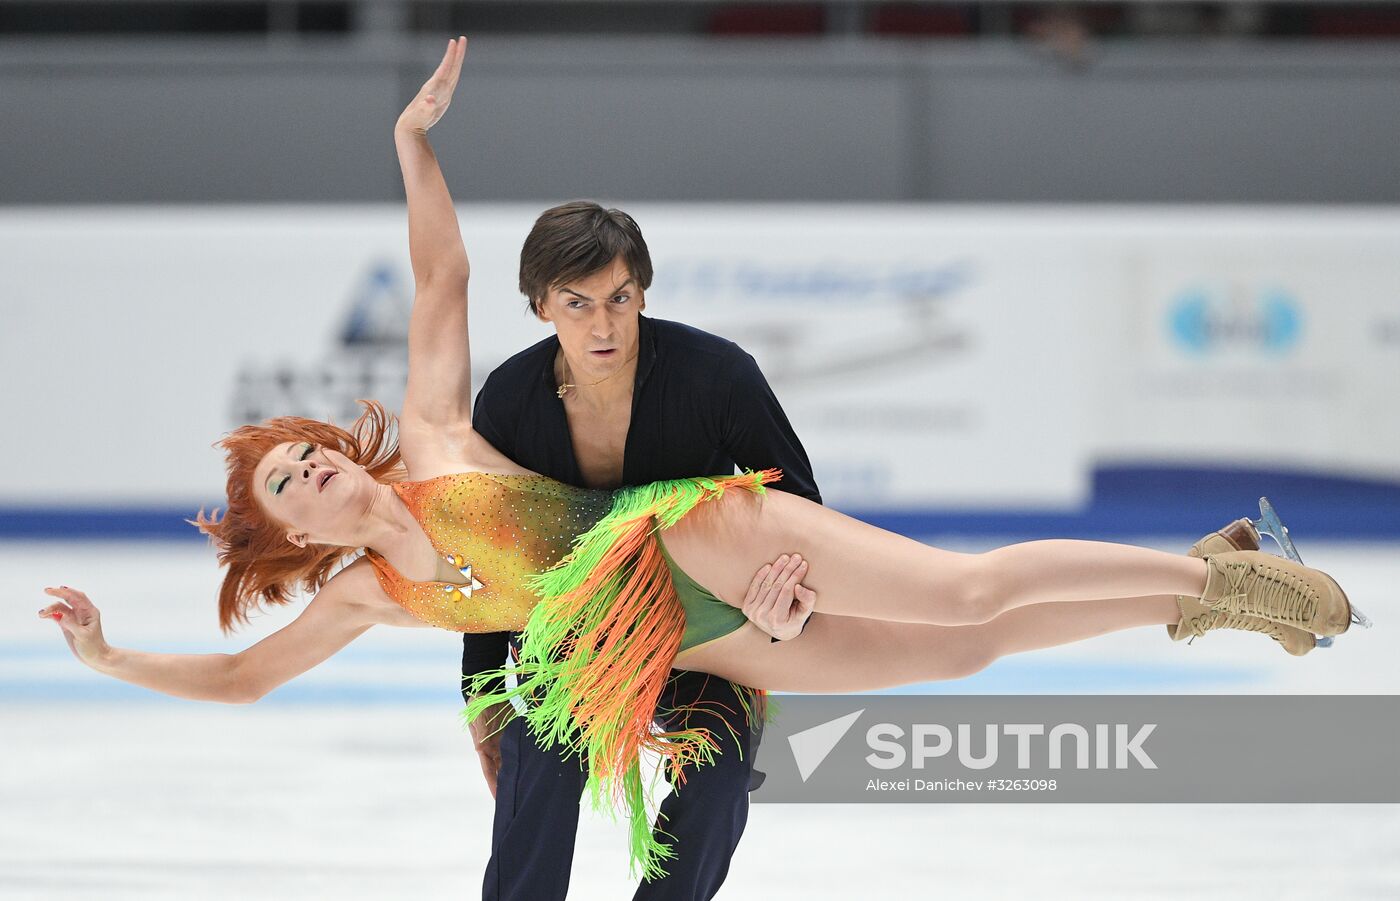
pixel 1008 370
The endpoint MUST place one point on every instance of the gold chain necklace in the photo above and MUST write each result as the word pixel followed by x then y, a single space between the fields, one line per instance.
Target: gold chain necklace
pixel 564 368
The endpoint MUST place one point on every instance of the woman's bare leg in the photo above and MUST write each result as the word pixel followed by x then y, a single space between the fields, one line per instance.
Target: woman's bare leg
pixel 862 571
pixel 845 653
pixel 1038 626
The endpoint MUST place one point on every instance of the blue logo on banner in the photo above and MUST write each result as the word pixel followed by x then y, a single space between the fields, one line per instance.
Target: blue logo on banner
pixel 379 310
pixel 1201 321
pixel 370 359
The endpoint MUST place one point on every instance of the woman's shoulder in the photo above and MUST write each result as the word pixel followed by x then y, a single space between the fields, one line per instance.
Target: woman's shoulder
pixel 355 582
pixel 457 471
pixel 357 588
pixel 453 451
pixel 359 585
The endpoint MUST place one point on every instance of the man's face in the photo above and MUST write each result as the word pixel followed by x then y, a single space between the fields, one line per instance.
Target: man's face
pixel 596 319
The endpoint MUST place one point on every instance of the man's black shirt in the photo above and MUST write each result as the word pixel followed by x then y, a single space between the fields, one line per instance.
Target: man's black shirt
pixel 700 406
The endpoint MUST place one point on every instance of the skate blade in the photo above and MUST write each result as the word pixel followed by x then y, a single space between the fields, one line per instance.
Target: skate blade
pixel 1269 524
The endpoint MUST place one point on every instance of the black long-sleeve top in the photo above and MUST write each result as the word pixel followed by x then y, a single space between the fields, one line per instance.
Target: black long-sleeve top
pixel 700 405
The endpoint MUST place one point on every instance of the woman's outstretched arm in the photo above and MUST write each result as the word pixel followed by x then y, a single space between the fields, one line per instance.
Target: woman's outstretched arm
pixel 330 622
pixel 439 361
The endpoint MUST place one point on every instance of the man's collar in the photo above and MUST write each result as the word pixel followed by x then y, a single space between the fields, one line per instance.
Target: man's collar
pixel 551 347
pixel 646 349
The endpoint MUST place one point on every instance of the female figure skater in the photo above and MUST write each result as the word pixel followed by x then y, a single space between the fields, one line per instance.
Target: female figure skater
pixel 457 536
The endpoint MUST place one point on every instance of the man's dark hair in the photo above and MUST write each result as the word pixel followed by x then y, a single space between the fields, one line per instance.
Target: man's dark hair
pixel 575 239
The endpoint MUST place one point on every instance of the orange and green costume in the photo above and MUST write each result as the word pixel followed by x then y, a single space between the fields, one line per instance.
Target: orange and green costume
pixel 603 610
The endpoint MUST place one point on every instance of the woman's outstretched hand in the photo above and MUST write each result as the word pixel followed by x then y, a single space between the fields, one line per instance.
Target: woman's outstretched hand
pixel 436 94
pixel 777 602
pixel 80 621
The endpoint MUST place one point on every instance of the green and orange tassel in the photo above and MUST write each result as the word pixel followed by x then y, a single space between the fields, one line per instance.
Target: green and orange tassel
pixel 597 651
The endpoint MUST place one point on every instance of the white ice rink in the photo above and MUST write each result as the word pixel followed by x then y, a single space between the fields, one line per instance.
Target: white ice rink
pixel 356 781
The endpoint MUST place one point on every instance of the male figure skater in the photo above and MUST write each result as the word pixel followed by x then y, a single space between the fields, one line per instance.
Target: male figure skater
pixel 615 398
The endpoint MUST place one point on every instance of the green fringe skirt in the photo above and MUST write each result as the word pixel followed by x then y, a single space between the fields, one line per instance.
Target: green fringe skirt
pixel 597 651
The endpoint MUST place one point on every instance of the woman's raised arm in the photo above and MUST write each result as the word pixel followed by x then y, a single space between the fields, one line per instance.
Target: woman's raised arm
pixel 438 397
pixel 330 622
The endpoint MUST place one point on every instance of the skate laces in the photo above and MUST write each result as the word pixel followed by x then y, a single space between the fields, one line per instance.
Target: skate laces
pixel 1261 590
pixel 1217 619
pixel 1247 623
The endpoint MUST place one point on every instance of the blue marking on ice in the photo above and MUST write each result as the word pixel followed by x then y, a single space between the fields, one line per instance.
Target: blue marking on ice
pixel 1004 677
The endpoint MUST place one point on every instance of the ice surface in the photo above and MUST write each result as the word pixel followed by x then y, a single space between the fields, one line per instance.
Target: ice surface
pixel 356 782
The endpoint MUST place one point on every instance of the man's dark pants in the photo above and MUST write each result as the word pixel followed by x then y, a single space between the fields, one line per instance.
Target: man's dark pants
pixel 537 805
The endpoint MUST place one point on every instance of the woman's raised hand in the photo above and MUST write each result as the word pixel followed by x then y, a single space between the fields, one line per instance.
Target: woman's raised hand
pixel 777 602
pixel 436 94
pixel 80 621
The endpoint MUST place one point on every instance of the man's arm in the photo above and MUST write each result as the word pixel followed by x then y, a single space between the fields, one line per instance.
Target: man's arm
pixel 482 651
pixel 757 436
pixel 757 433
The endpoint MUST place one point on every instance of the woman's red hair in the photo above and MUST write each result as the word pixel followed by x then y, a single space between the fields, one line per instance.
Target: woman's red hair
pixel 263 566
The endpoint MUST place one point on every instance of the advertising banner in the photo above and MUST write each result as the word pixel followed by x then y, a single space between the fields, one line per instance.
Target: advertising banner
pixel 921 363
pixel 930 358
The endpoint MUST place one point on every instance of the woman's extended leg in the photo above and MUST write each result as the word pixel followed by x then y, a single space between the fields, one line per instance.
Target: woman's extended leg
pixel 846 653
pixel 859 570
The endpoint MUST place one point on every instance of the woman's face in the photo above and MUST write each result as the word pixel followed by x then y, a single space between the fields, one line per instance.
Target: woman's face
pixel 317 492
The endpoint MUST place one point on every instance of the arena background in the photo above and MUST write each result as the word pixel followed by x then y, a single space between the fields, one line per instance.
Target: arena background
pixel 1015 270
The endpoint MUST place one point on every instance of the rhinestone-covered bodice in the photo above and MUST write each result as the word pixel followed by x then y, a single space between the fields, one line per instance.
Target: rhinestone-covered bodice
pixel 495 530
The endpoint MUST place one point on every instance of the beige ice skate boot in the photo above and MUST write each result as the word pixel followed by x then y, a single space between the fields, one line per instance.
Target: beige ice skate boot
pixel 1258 584
pixel 1198 619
